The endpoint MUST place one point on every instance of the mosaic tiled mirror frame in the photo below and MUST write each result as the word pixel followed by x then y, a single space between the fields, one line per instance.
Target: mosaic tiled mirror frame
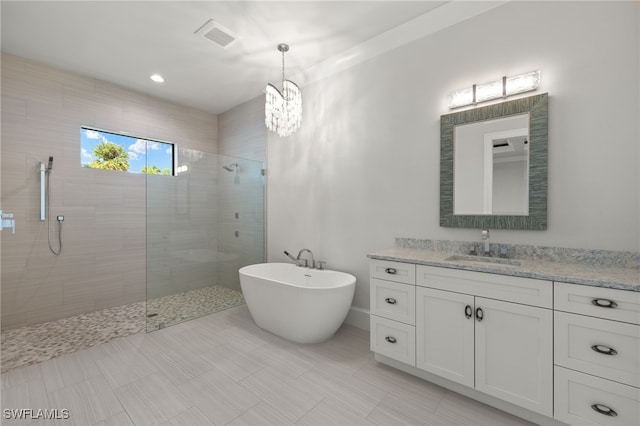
pixel 538 108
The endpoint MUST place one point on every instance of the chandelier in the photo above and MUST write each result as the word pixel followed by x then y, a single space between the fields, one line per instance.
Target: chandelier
pixel 283 110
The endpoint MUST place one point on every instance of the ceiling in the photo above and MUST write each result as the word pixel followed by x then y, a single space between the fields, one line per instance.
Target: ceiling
pixel 124 42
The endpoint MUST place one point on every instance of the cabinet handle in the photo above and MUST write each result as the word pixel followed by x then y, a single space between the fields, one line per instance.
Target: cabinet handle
pixel 390 300
pixel 391 271
pixel 604 303
pixel 605 350
pixel 468 311
pixel 479 314
pixel 390 339
pixel 603 409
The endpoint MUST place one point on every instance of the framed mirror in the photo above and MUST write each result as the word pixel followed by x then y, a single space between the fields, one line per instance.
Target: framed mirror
pixel 493 166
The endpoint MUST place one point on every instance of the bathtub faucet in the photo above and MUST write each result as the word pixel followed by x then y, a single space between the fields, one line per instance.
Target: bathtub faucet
pixel 298 261
pixel 305 262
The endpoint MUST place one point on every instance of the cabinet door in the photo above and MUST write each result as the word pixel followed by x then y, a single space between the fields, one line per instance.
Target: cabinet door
pixel 393 271
pixel 604 348
pixel 395 301
pixel 393 339
pixel 514 353
pixel 582 399
pixel 444 334
pixel 608 303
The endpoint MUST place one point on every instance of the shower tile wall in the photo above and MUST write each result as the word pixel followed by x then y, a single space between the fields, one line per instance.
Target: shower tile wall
pixel 241 133
pixel 103 262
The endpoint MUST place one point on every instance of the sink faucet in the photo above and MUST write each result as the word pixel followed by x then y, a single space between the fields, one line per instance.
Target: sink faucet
pixel 306 262
pixel 487 245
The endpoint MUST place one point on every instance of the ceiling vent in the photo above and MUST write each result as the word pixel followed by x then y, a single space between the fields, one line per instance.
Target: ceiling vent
pixel 218 34
pixel 501 146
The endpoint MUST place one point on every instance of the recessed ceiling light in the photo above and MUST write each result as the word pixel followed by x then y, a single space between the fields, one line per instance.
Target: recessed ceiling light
pixel 157 78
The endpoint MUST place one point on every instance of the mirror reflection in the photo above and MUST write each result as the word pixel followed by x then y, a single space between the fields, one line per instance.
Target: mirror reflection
pixel 491 167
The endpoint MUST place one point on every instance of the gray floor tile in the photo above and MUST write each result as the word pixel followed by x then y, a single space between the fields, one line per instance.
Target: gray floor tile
pixel 222 369
pixel 151 400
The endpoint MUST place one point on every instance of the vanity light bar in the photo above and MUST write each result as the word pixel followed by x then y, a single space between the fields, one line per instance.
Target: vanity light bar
pixel 502 88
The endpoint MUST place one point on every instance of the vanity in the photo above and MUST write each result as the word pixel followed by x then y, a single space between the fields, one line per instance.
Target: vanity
pixel 538 337
pixel 549 334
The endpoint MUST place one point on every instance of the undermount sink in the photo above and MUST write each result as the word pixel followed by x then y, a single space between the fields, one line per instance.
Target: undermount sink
pixel 487 261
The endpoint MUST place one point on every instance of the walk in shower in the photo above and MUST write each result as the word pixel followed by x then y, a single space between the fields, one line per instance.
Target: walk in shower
pixel 141 251
pixel 203 224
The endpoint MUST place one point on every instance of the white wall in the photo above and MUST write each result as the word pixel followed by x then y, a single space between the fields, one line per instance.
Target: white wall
pixel 364 167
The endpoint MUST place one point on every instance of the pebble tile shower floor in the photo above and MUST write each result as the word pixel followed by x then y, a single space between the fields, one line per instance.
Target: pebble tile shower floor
pixel 41 342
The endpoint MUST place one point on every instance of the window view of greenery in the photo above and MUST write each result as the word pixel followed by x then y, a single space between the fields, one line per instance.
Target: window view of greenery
pixel 112 151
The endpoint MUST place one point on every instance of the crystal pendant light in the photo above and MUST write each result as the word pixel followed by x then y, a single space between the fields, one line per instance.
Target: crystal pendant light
pixel 283 110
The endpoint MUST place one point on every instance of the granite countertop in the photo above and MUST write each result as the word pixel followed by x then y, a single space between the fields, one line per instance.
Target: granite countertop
pixel 614 275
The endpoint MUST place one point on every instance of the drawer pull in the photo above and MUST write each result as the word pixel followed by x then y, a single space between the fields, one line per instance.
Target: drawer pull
pixel 390 300
pixel 390 339
pixel 603 409
pixel 604 303
pixel 391 271
pixel 479 314
pixel 605 350
pixel 468 312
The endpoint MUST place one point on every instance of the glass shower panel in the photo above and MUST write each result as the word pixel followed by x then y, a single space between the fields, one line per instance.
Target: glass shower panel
pixel 194 248
pixel 241 215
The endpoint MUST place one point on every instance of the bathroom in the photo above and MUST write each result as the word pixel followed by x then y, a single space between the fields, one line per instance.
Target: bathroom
pixel 364 167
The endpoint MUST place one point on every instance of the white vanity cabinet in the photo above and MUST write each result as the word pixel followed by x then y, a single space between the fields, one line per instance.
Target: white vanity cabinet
pixel 488 332
pixel 392 302
pixel 539 348
pixel 596 355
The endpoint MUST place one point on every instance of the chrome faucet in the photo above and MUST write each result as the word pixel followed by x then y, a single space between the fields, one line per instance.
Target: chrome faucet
pixel 315 264
pixel 306 262
pixel 487 244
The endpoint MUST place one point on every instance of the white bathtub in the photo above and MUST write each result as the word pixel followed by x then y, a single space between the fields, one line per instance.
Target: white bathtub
pixel 299 304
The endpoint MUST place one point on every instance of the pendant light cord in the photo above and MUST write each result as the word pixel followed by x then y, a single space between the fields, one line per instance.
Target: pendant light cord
pixel 283 70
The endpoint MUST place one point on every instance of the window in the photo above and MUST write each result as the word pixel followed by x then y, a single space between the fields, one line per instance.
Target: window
pixel 112 151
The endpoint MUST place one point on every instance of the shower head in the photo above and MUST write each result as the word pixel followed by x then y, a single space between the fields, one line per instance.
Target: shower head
pixel 231 167
pixel 50 166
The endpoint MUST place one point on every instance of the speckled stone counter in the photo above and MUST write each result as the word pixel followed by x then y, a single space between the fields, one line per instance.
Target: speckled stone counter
pixel 610 269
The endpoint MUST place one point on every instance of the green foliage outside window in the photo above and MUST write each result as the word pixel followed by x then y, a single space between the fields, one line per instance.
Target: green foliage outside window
pixel 110 156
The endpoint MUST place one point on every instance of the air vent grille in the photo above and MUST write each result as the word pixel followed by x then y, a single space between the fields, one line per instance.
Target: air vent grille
pixel 218 34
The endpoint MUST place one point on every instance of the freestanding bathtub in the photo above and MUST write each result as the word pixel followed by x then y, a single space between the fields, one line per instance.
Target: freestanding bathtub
pixel 299 304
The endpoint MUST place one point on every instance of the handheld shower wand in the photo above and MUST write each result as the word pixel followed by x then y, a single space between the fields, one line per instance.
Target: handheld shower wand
pixel 44 187
pixel 45 205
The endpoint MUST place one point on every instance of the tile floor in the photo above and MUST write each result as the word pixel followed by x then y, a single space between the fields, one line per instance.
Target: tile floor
pixel 41 342
pixel 223 370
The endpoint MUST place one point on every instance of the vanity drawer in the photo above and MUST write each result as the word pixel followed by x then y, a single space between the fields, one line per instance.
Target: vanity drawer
pixel 609 303
pixel 526 291
pixel 394 301
pixel 393 339
pixel 393 271
pixel 604 348
pixel 581 399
